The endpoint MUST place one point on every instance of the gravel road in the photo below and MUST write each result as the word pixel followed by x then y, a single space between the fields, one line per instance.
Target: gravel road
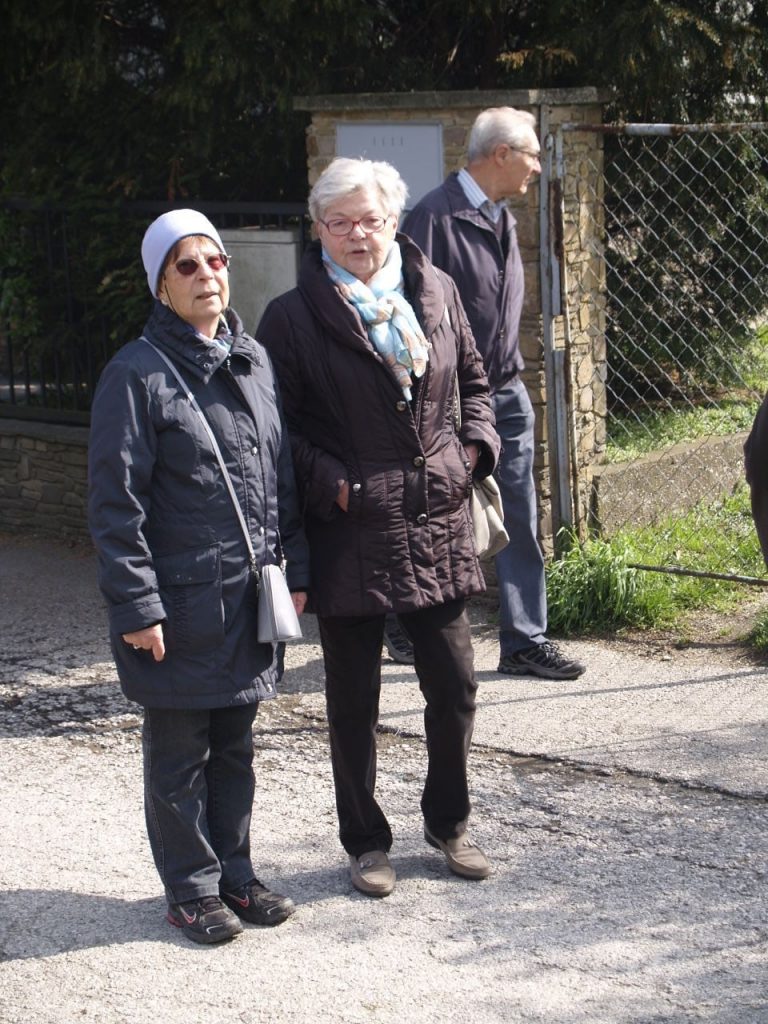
pixel 625 813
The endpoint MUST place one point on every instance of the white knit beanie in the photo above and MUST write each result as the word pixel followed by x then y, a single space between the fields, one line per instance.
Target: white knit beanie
pixel 163 233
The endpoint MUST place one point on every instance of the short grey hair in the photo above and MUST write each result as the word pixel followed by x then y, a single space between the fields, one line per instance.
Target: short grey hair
pixel 499 126
pixel 344 176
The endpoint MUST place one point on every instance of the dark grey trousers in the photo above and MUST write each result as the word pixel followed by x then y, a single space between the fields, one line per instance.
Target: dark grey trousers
pixel 198 798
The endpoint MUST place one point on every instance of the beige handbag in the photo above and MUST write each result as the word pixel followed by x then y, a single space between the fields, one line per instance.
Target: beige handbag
pixel 484 504
pixel 487 518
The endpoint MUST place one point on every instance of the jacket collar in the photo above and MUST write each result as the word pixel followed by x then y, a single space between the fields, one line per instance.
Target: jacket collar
pixel 192 350
pixel 461 207
pixel 423 286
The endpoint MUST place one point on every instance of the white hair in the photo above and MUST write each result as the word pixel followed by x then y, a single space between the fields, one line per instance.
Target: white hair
pixel 344 176
pixel 499 126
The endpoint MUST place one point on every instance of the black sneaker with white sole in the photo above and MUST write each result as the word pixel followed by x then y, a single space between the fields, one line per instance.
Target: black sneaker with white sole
pixel 397 641
pixel 205 920
pixel 544 660
pixel 255 904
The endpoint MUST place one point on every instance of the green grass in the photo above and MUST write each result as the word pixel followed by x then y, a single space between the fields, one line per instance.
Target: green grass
pixel 726 406
pixel 632 438
pixel 593 587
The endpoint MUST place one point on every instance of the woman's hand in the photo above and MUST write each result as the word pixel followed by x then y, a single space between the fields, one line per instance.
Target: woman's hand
pixel 342 498
pixel 473 454
pixel 149 639
pixel 299 598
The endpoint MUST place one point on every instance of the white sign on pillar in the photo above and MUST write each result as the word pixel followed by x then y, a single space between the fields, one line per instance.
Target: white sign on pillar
pixel 416 150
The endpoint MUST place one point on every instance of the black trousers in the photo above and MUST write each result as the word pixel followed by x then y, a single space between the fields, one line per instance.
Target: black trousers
pixel 198 798
pixel 444 661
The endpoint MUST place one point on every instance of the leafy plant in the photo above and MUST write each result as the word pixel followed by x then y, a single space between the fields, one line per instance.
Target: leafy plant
pixel 592 588
pixel 595 586
pixel 758 636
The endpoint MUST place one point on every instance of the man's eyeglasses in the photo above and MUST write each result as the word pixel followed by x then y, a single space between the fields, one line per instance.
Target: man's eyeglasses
pixel 528 152
pixel 188 266
pixel 343 225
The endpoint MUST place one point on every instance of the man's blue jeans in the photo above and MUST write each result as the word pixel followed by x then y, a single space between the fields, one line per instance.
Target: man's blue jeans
pixel 198 798
pixel 520 565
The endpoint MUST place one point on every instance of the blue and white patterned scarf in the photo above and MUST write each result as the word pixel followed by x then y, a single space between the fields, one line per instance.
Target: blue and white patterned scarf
pixel 388 316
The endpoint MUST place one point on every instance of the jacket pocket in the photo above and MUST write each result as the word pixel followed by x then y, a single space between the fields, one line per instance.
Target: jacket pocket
pixel 458 476
pixel 190 589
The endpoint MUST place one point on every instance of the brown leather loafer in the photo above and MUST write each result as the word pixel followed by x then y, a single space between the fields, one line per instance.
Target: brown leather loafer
pixel 372 874
pixel 461 855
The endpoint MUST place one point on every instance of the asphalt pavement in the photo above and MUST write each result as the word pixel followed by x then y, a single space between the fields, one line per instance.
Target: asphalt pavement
pixel 624 812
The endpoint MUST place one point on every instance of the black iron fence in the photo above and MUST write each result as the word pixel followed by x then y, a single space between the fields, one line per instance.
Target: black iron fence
pixel 72 291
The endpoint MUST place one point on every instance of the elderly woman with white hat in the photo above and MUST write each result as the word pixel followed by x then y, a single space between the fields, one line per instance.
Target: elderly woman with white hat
pixel 191 493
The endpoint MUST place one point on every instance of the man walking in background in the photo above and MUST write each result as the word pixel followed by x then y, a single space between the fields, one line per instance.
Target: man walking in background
pixel 466 228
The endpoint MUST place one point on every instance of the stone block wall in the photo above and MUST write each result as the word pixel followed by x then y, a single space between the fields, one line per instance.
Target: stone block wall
pixel 43 478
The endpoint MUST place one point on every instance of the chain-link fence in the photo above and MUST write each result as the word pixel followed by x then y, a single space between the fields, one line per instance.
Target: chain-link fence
pixel 674 357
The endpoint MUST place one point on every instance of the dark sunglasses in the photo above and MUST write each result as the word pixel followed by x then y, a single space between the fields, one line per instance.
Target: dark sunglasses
pixel 215 261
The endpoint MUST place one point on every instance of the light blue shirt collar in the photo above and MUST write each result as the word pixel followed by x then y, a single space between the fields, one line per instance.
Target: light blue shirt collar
pixel 478 198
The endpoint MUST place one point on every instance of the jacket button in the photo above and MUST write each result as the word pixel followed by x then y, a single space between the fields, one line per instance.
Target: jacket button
pixel 421 519
pixel 401 406
pixel 356 488
pixel 255 450
pixel 261 531
pixel 419 461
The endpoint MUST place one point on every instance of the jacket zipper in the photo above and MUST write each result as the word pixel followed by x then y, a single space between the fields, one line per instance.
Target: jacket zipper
pixel 235 387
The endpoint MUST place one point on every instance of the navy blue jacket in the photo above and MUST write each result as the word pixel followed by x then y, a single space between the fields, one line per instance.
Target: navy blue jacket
pixel 462 242
pixel 170 548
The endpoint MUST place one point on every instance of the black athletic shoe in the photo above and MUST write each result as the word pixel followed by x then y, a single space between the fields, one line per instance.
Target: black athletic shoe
pixel 543 660
pixel 255 904
pixel 397 642
pixel 205 920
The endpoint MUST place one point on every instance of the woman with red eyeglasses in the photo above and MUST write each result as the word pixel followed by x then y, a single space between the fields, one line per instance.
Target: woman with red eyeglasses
pixel 371 349
pixel 179 549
